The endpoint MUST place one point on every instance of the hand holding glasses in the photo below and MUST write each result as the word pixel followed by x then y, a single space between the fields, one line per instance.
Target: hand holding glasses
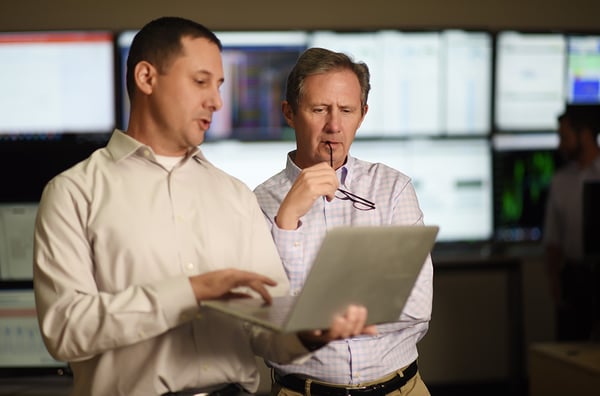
pixel 358 202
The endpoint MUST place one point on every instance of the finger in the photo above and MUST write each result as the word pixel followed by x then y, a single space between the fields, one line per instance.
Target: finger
pixel 370 330
pixel 358 319
pixel 234 295
pixel 246 277
pixel 351 323
pixel 339 328
pixel 259 287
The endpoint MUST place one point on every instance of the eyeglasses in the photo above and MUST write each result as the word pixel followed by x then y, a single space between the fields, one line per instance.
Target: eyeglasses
pixel 359 203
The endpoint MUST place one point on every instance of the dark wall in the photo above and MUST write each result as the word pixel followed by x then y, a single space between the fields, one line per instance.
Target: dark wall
pixel 306 14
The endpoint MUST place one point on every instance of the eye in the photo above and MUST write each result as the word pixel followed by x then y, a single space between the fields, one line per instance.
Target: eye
pixel 318 110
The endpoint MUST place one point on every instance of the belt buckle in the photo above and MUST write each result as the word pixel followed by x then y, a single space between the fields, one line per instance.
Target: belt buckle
pixel 358 390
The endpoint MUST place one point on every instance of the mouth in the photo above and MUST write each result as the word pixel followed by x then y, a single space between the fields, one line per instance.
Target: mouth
pixel 204 123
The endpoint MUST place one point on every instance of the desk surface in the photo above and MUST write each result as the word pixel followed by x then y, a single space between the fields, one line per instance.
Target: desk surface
pixel 583 355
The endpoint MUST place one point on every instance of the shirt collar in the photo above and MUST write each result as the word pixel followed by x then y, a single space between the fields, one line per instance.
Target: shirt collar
pixel 344 173
pixel 121 145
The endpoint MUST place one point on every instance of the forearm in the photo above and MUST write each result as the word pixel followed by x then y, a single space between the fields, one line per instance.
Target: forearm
pixel 78 324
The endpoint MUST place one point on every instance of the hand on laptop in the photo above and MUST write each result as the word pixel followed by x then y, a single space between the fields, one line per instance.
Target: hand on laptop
pixel 219 284
pixel 350 324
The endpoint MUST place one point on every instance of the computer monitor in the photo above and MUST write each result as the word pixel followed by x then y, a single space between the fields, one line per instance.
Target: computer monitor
pixel 17 221
pixel 583 69
pixel 452 179
pixel 467 83
pixel 427 83
pixel 30 163
pixel 523 167
pixel 56 82
pixel 22 351
pixel 530 81
pixel 251 162
pixel 256 65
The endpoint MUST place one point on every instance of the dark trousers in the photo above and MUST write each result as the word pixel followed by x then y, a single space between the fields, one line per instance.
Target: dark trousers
pixel 579 307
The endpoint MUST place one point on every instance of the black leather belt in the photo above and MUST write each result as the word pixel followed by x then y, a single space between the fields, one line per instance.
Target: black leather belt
pixel 298 384
pixel 229 390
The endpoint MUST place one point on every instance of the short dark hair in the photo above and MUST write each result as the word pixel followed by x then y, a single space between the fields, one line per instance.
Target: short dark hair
pixel 582 116
pixel 159 41
pixel 318 61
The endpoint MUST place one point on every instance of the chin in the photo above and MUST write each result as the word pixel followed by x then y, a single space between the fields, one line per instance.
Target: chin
pixel 198 140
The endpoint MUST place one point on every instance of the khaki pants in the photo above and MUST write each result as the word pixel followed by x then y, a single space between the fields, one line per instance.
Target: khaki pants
pixel 414 387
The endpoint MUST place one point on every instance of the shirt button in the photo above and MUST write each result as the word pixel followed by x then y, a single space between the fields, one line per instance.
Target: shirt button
pixel 147 153
pixel 296 244
pixel 190 266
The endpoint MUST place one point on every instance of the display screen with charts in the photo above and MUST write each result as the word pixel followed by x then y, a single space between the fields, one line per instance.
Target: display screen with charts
pixel 22 351
pixel 372 266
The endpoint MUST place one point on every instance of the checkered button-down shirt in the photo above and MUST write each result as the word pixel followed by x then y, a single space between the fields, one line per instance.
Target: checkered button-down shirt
pixel 365 358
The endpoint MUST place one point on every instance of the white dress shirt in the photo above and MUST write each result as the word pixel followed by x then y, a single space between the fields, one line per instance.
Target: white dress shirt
pixel 116 238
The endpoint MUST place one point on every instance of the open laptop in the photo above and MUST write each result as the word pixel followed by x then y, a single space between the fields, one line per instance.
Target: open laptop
pixel 374 266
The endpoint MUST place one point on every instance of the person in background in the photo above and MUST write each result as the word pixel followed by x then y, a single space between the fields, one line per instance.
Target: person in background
pixel 130 241
pixel 570 275
pixel 321 187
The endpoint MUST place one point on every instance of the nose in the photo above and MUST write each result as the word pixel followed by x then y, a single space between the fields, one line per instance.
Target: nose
pixel 334 121
pixel 215 101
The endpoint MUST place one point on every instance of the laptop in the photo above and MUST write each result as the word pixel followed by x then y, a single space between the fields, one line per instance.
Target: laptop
pixel 374 266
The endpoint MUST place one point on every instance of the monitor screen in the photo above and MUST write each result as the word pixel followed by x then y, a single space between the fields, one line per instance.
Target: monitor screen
pixel 583 69
pixel 422 83
pixel 22 351
pixel 458 198
pixel 452 179
pixel 56 82
pixel 251 162
pixel 467 84
pixel 530 80
pixel 523 168
pixel 255 65
pixel 17 221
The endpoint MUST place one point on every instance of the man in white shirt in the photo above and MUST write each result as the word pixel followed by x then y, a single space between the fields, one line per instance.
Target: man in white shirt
pixel 129 242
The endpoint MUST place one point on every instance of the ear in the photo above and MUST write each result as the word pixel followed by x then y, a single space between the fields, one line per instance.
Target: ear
pixel 288 113
pixel 145 77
